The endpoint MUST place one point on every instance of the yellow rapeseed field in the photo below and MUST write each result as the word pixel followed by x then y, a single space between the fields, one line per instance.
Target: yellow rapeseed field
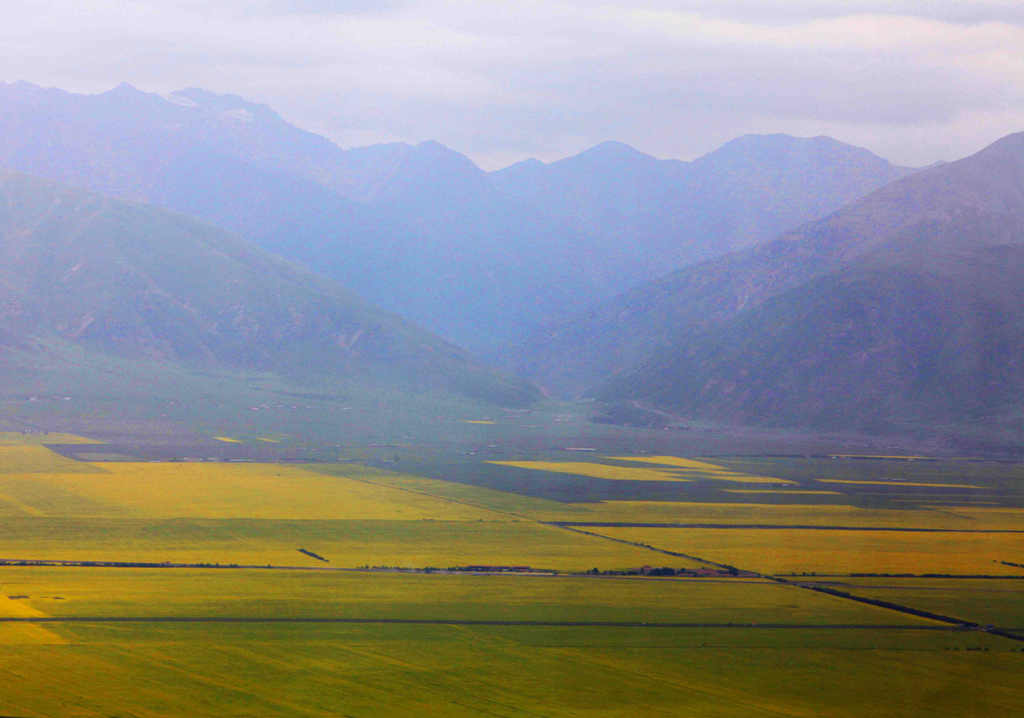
pixel 15 634
pixel 223 490
pixel 253 513
pixel 97 592
pixel 323 669
pixel 704 470
pixel 34 458
pixel 345 544
pixel 28 634
pixel 212 512
pixel 691 464
pixel 14 607
pixel 784 514
pixel 16 438
pixel 597 471
pixel 776 551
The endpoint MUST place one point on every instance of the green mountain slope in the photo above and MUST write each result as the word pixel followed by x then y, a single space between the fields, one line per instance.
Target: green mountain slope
pixel 902 307
pixel 483 258
pixel 139 282
pixel 929 333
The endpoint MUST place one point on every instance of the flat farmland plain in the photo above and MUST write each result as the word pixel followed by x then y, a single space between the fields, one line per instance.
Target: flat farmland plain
pixel 370 670
pixel 287 657
pixel 310 640
pixel 755 512
pixel 345 544
pixel 879 483
pixel 984 600
pixel 217 490
pixel 116 592
pixel 824 551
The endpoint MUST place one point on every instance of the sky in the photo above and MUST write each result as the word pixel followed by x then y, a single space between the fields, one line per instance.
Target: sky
pixel 914 81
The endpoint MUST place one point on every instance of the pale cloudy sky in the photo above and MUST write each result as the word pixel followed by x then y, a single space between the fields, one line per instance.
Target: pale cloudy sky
pixel 500 81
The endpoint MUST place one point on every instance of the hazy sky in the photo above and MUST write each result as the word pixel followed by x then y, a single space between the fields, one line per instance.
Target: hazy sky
pixel 915 81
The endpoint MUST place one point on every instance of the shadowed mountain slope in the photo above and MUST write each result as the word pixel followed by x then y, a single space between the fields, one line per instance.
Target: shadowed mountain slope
pixel 483 258
pixel 904 306
pixel 135 281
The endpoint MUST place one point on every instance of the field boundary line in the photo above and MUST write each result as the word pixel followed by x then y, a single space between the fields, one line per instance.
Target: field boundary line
pixel 960 623
pixel 769 527
pixel 472 622
pixel 677 554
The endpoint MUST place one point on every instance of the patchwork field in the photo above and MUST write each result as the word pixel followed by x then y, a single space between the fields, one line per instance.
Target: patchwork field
pixel 597 639
pixel 704 470
pixel 985 601
pixel 868 483
pixel 345 544
pixel 300 663
pixel 783 514
pixel 668 468
pixel 36 459
pixel 218 490
pixel 114 592
pixel 597 471
pixel 789 551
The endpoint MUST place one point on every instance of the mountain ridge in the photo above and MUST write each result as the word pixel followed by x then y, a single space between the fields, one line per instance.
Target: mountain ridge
pixel 722 287
pixel 902 306
pixel 140 282
pixel 482 258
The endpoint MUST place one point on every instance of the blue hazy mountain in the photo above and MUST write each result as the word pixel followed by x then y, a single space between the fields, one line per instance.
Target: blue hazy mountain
pixel 132 281
pixel 903 308
pixel 482 258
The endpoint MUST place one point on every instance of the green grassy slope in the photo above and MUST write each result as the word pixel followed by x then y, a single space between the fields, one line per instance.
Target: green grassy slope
pixel 904 306
pixel 138 282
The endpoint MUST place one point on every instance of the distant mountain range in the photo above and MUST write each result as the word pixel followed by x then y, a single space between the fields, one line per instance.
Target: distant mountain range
pixel 482 258
pixel 887 300
pixel 134 281
pixel 905 308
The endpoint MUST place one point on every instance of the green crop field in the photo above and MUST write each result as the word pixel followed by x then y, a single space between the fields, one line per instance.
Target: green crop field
pixel 346 544
pixel 457 667
pixel 335 629
pixel 104 592
pixel 982 600
pixel 372 670
pixel 789 551
pixel 613 476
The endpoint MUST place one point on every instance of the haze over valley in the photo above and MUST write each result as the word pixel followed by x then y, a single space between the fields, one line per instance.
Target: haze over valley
pixel 595 360
pixel 811 277
pixel 482 258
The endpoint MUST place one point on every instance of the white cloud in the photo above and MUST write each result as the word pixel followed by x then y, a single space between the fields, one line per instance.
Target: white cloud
pixel 917 81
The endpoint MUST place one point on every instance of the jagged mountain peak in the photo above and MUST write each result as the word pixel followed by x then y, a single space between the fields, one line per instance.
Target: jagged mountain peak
pixel 124 89
pixel 225 103
pixel 903 306
pixel 608 152
pixel 530 162
pixel 418 228
pixel 778 148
